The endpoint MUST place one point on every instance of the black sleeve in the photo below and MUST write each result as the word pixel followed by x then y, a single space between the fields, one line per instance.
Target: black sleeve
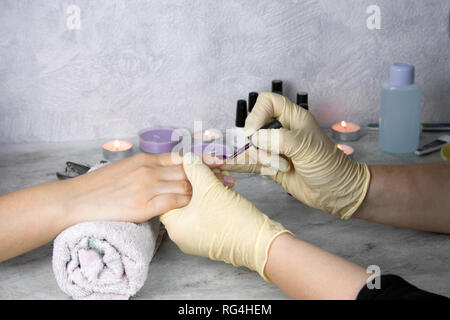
pixel 395 288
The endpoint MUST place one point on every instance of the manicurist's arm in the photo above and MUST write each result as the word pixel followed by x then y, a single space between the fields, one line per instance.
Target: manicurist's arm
pixel 220 224
pixel 413 196
pixel 304 271
pixel 313 170
pixel 135 189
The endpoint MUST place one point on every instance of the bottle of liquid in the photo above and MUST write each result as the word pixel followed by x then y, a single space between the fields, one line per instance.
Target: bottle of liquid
pixel 400 111
pixel 302 100
pixel 235 137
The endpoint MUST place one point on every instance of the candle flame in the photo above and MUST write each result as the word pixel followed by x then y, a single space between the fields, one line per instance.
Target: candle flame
pixel 116 145
pixel 344 124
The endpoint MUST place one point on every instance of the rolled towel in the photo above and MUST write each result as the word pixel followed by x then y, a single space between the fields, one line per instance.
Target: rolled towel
pixel 104 259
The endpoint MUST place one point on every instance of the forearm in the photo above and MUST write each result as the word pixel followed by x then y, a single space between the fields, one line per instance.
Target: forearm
pixel 32 217
pixel 304 271
pixel 135 189
pixel 410 196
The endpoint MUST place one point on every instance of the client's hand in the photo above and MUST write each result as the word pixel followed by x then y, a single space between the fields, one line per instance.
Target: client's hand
pixel 135 189
pixel 219 223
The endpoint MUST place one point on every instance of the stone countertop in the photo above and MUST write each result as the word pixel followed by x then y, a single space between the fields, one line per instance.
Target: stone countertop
pixel 422 258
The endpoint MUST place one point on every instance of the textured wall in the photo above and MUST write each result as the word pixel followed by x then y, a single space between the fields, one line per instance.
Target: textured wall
pixel 137 63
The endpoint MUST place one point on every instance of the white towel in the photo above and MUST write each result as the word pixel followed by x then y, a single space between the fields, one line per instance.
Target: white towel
pixel 105 259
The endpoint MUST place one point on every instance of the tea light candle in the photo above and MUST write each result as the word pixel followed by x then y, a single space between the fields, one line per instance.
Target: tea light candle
pixel 158 140
pixel 346 131
pixel 117 150
pixel 346 149
pixel 207 135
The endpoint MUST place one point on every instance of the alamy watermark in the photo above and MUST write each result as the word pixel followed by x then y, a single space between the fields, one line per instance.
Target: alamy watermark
pixel 373 22
pixel 73 21
pixel 373 282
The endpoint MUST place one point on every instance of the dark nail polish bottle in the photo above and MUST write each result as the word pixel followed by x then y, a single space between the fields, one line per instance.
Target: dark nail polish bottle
pixel 277 86
pixel 252 97
pixel 302 100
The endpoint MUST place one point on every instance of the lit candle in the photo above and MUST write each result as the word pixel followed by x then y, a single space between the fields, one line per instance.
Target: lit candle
pixel 117 149
pixel 346 131
pixel 346 149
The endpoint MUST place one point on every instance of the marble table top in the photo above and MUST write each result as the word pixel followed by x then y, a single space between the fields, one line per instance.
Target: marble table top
pixel 422 258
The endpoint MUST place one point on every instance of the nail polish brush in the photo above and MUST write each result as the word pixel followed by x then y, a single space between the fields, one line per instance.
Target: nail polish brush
pixel 275 124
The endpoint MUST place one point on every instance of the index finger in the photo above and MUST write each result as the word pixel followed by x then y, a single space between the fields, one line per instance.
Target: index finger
pixel 271 106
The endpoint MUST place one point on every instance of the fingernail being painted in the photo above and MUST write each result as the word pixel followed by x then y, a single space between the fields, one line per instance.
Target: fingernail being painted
pixel 229 180
pixel 191 158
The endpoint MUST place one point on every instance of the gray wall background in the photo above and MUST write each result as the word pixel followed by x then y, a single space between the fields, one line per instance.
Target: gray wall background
pixel 136 64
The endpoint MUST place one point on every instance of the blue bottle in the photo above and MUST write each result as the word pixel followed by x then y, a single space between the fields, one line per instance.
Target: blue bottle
pixel 400 111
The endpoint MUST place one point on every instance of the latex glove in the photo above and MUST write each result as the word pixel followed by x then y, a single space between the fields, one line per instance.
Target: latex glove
pixel 322 176
pixel 220 224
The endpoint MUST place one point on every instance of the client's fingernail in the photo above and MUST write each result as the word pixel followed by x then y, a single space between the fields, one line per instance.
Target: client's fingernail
pixel 229 180
pixel 227 184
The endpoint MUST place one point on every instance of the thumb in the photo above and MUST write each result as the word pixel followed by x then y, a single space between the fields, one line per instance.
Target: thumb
pixel 277 141
pixel 199 175
pixel 268 106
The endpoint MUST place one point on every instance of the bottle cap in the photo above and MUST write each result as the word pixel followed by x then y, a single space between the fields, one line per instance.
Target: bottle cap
pixel 402 74
pixel 241 113
pixel 252 97
pixel 302 99
pixel 277 86
pixel 275 124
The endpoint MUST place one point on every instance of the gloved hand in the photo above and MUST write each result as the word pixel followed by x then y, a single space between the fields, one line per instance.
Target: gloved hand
pixel 220 224
pixel 322 176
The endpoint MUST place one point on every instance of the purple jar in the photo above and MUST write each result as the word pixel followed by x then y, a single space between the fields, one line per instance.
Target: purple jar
pixel 159 140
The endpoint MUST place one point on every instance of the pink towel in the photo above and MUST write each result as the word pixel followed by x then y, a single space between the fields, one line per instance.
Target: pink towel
pixel 104 259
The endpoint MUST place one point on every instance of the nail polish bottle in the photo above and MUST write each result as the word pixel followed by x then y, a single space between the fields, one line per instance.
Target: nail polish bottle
pixel 400 111
pixel 302 100
pixel 252 97
pixel 235 137
pixel 277 86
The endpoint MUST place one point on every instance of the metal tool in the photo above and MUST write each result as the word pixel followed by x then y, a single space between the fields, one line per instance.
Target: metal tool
pixel 431 147
pixel 72 170
pixel 275 124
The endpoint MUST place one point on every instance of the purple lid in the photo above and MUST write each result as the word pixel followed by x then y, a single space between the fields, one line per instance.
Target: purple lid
pixel 158 140
pixel 401 74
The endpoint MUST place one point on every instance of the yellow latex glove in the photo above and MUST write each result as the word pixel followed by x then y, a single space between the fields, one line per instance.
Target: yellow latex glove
pixel 322 176
pixel 220 224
